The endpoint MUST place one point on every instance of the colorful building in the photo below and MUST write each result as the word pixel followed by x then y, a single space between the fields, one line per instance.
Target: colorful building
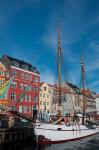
pixel 45 98
pixel 23 94
pixel 3 80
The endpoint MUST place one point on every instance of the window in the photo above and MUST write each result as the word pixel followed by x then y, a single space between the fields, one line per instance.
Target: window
pixel 25 109
pixel 29 88
pixel 22 75
pixel 30 77
pixel 44 88
pixel 29 98
pixel 47 95
pixel 35 79
pixel 35 89
pixel 13 96
pixel 47 103
pixel 44 95
pixel 15 63
pixel 40 102
pixel 21 97
pixel 29 109
pixel 26 76
pixel 25 98
pixel 21 86
pixel 35 99
pixel 14 85
pixel 40 94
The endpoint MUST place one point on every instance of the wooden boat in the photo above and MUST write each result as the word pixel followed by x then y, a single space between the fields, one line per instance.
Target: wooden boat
pixel 62 133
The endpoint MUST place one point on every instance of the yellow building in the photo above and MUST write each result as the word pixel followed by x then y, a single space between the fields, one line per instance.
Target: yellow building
pixel 44 98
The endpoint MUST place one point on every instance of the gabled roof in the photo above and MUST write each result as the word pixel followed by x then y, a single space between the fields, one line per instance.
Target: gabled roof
pixel 41 83
pixel 51 85
pixel 19 63
pixel 73 86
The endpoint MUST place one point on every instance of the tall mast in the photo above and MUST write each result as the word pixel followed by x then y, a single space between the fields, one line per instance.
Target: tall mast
pixel 59 74
pixel 83 86
pixel 59 67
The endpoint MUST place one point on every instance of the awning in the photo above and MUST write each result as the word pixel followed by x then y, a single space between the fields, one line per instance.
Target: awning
pixel 3 101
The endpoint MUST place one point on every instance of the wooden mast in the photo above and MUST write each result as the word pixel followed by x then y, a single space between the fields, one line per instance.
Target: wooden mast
pixel 59 75
pixel 83 87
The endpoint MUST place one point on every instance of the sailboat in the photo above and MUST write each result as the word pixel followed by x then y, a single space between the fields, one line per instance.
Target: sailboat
pixel 57 133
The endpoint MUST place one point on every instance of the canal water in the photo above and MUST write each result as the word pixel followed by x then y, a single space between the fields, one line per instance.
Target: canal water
pixel 88 144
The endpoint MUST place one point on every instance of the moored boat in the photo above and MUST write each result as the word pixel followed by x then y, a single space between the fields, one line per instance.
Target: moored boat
pixel 56 133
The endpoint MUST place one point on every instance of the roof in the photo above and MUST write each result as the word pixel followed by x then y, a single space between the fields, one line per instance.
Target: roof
pixel 87 93
pixel 41 83
pixel 52 85
pixel 97 95
pixel 73 86
pixel 20 64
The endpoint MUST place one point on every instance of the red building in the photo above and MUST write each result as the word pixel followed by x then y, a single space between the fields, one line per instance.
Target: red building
pixel 23 94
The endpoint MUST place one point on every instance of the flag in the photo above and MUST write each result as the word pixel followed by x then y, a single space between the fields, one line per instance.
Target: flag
pixel 4 88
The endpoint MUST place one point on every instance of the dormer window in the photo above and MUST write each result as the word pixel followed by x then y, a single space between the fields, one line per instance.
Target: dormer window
pixel 24 66
pixel 15 63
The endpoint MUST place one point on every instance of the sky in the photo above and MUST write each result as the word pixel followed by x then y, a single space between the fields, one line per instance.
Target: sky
pixel 28 31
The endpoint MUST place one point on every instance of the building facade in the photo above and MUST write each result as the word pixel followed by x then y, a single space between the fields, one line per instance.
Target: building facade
pixel 97 103
pixel 67 99
pixel 90 101
pixel 3 79
pixel 72 100
pixel 23 94
pixel 44 98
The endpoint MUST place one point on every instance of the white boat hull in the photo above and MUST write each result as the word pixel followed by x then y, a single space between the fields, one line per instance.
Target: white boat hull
pixel 62 133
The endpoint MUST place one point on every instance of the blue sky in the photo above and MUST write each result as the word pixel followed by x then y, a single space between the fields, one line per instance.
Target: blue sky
pixel 28 32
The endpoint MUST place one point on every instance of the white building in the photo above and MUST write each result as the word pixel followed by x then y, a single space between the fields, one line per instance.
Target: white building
pixel 97 103
pixel 72 100
pixel 68 99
